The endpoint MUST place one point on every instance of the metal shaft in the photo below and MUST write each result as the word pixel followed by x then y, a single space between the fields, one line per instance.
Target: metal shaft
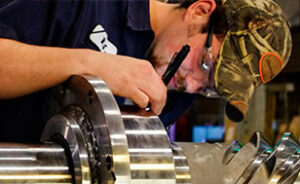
pixel 21 163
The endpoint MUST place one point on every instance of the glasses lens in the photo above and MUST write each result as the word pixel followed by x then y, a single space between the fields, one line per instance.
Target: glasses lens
pixel 207 65
pixel 205 77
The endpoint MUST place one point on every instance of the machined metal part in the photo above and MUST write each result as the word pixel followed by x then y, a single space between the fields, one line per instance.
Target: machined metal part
pixel 205 161
pixel 93 97
pixel 182 168
pixel 286 147
pixel 262 158
pixel 286 170
pixel 235 147
pixel 292 174
pixel 90 140
pixel 287 160
pixel 239 162
pixel 24 163
pixel 64 129
pixel 151 156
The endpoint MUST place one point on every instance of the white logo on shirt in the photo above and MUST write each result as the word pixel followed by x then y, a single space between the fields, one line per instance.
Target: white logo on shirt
pixel 100 39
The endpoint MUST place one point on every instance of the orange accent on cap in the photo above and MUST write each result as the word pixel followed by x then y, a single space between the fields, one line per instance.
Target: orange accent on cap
pixel 238 102
pixel 261 59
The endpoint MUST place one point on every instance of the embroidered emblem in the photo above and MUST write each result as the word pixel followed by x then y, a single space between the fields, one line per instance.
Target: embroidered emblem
pixel 100 38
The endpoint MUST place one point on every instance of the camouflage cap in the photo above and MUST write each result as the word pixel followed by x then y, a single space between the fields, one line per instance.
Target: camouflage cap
pixel 256 48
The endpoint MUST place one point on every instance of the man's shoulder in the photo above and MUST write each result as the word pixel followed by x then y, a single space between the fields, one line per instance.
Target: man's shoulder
pixel 48 22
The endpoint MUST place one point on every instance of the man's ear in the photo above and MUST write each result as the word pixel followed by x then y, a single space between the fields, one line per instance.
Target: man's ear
pixel 200 9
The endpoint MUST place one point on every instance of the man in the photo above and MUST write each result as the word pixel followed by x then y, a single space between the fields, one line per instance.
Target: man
pixel 44 42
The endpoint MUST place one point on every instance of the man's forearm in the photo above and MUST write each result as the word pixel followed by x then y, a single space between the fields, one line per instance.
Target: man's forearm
pixel 26 68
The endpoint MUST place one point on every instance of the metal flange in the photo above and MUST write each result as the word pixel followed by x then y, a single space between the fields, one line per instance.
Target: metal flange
pixel 107 152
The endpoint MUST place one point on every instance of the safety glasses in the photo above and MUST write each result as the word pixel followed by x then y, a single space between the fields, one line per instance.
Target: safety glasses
pixel 207 66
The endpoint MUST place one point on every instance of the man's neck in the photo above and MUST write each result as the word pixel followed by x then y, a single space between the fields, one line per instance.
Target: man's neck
pixel 163 14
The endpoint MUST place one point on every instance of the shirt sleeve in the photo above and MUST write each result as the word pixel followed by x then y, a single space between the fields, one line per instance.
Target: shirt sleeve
pixel 7 32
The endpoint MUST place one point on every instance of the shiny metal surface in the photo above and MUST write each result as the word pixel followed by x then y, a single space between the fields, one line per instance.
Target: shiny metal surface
pixel 260 143
pixel 286 147
pixel 234 148
pixel 96 100
pixel 22 163
pixel 205 162
pixel 151 156
pixel 240 161
pixel 207 165
pixel 67 128
pixel 291 175
pixel 182 168
pixel 287 160
pixel 286 171
pixel 262 158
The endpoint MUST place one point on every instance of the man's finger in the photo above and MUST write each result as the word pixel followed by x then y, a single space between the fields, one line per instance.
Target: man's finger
pixel 139 98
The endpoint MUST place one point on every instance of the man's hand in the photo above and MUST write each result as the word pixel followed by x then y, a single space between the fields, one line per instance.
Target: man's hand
pixel 129 77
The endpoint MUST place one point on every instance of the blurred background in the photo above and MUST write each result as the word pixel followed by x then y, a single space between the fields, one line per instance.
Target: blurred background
pixel 274 108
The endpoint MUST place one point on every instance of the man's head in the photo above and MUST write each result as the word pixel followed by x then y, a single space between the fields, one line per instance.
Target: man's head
pixel 250 45
pixel 177 24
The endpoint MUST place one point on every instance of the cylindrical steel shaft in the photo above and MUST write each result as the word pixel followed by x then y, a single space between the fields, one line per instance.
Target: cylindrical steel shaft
pixel 22 163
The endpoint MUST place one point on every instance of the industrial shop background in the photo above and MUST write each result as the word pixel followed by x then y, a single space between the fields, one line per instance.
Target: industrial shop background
pixel 274 108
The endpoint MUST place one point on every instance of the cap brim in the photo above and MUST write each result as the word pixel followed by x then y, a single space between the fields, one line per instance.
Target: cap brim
pixel 236 111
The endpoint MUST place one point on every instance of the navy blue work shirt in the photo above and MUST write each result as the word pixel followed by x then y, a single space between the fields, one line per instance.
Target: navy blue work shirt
pixel 118 27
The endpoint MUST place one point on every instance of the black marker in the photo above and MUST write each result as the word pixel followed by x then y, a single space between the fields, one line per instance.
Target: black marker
pixel 175 63
pixel 173 66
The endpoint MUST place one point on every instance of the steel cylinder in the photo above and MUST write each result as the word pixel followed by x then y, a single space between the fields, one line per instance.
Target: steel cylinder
pixel 151 157
pixel 21 163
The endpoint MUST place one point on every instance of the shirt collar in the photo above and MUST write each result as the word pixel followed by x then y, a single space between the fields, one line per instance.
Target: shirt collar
pixel 138 17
